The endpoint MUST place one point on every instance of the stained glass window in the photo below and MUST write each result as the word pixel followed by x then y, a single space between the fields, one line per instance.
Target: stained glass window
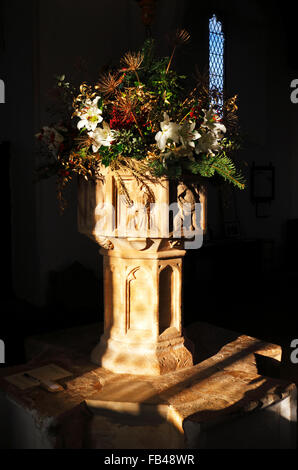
pixel 216 55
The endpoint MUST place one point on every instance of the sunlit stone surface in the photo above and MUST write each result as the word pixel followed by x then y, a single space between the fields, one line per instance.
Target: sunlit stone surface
pixel 142 269
pixel 228 400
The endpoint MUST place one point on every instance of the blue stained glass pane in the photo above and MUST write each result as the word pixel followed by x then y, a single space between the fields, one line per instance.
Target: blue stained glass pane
pixel 216 55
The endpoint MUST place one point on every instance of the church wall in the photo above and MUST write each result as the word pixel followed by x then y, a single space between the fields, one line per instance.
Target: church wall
pixel 46 38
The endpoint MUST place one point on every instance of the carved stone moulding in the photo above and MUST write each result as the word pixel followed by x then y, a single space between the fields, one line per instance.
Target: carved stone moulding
pixel 154 211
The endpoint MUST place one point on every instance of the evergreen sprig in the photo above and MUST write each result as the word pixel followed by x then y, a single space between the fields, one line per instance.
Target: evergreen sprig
pixel 221 164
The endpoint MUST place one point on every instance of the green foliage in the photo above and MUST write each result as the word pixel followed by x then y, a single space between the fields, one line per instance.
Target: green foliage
pixel 207 166
pixel 129 144
pixel 134 100
pixel 148 51
pixel 225 167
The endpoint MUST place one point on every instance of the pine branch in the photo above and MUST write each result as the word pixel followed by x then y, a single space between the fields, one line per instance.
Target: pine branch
pixel 223 165
pixel 226 168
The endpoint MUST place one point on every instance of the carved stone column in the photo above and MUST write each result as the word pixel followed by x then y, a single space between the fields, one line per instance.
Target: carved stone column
pixel 142 272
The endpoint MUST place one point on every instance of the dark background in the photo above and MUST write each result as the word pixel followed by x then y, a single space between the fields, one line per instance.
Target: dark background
pixel 51 275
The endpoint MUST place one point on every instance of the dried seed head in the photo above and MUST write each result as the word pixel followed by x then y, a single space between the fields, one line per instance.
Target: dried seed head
pixel 132 61
pixel 181 37
pixel 108 84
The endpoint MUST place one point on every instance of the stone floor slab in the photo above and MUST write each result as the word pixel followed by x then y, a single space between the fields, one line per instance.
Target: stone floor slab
pixel 221 402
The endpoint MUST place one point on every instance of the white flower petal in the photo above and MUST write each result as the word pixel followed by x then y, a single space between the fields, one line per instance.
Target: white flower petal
pixel 192 126
pixel 220 128
pixel 95 148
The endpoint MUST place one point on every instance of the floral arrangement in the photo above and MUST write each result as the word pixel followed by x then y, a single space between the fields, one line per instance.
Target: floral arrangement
pixel 142 118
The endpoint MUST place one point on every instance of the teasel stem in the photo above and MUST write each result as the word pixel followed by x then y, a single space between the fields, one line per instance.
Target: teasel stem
pixel 185 117
pixel 138 78
pixel 171 59
pixel 137 124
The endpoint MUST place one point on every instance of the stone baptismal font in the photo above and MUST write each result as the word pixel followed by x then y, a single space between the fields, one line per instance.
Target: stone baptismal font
pixel 144 235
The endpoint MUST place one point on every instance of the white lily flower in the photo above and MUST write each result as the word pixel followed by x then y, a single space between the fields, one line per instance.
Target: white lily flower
pixel 208 143
pixel 212 124
pixel 169 131
pixel 188 134
pixel 90 115
pixel 102 137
